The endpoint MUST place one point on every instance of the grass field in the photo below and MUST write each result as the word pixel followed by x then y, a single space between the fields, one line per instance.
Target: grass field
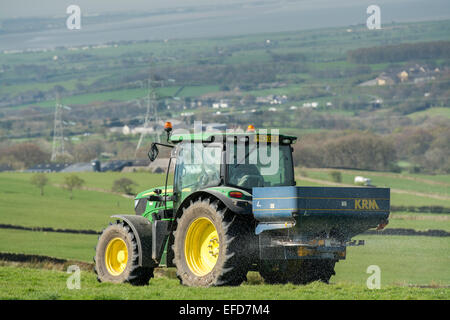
pixel 404 260
pixel 21 204
pixel 92 207
pixel 432 112
pixel 407 182
pixel 406 189
pixel 419 221
pixel 28 283
pixel 125 95
pixel 117 95
pixel 59 245
pixel 89 209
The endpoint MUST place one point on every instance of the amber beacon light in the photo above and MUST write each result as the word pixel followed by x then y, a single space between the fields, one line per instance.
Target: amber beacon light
pixel 168 126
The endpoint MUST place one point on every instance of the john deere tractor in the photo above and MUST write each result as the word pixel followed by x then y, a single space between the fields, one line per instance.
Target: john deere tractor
pixel 229 211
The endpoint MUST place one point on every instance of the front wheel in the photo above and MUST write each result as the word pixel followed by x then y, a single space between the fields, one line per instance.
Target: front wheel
pixel 210 246
pixel 116 257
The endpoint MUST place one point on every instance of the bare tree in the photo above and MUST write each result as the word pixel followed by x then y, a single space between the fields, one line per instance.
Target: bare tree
pixel 72 182
pixel 124 185
pixel 39 180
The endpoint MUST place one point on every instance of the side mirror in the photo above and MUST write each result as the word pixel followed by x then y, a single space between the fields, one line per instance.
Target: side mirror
pixel 153 153
pixel 154 198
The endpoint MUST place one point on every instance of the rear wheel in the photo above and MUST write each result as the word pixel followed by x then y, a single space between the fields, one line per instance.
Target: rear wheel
pixel 210 246
pixel 116 257
pixel 306 271
pixel 274 272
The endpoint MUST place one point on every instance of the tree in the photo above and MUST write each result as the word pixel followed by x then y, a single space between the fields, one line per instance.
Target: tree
pixel 355 150
pixel 86 151
pixel 28 153
pixel 336 176
pixel 124 185
pixel 39 180
pixel 72 182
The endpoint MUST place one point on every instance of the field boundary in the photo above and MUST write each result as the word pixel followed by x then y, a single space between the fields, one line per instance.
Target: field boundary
pixel 48 229
pixel 44 262
pixel 382 174
pixel 53 263
pixel 409 232
pixel 421 209
pixel 86 188
pixel 386 232
pixel 393 190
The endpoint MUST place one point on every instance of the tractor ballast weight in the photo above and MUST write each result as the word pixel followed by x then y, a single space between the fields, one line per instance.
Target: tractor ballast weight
pixel 218 221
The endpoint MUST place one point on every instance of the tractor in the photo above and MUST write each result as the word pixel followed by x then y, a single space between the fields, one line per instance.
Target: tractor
pixel 228 212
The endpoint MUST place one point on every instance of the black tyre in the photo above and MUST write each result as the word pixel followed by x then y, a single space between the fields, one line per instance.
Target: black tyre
pixel 211 246
pixel 116 257
pixel 297 272
pixel 274 272
pixel 306 271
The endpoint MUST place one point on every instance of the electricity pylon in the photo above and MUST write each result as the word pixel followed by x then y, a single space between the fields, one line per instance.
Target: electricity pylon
pixel 58 134
pixel 152 110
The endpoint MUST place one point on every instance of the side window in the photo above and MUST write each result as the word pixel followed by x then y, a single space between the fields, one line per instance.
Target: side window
pixel 212 158
pixel 193 161
pixel 197 167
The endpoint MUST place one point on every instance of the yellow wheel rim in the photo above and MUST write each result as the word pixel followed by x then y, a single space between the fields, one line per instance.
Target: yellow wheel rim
pixel 201 247
pixel 116 256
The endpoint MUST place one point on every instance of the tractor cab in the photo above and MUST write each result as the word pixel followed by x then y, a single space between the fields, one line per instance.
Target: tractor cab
pixel 238 161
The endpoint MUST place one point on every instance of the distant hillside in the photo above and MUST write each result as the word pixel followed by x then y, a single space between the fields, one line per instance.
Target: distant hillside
pixel 401 52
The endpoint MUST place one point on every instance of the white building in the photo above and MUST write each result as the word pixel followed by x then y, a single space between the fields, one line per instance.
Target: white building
pixel 221 104
pixel 126 130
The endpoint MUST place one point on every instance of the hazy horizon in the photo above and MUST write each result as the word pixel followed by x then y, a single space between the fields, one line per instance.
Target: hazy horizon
pixel 202 18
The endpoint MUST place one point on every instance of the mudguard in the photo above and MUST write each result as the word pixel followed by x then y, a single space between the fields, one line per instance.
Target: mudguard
pixel 243 207
pixel 142 230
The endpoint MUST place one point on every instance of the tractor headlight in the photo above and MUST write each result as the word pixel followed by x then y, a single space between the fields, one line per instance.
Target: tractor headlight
pixel 140 205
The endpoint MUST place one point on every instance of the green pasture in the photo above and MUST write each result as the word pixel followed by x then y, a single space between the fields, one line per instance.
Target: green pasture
pixel 29 283
pixel 22 204
pixel 122 95
pixel 402 259
pixel 419 221
pixel 396 181
pixel 68 246
pixel 441 112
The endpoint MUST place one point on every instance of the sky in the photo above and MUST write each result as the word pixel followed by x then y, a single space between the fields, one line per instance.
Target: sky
pixel 210 18
pixel 27 8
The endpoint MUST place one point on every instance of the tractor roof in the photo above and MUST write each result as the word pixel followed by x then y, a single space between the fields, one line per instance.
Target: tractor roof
pixel 220 136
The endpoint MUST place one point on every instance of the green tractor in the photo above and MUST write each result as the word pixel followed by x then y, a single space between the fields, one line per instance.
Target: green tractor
pixel 230 211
